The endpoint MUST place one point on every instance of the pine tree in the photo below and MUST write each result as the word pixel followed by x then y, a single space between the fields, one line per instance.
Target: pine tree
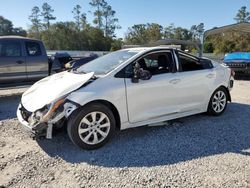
pixel 110 22
pixel 47 14
pixel 36 21
pixel 243 15
pixel 98 13
pixel 77 16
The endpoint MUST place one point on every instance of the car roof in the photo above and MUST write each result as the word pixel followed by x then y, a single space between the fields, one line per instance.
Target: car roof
pixel 141 50
pixel 144 49
pixel 13 37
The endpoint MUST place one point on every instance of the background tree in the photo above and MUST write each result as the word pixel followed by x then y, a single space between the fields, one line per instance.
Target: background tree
pixel 96 39
pixel 98 13
pixel 230 41
pixel 83 20
pixel 110 22
pixel 47 14
pixel 197 31
pixel 116 44
pixel 182 34
pixel 61 36
pixel 36 21
pixel 168 32
pixel 193 31
pixel 196 34
pixel 19 31
pixel 136 34
pixel 200 29
pixel 242 15
pixel 6 28
pixel 77 16
pixel 80 35
pixel 153 32
pixel 208 47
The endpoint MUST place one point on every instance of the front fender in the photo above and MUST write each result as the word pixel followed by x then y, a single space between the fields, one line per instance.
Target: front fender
pixel 113 92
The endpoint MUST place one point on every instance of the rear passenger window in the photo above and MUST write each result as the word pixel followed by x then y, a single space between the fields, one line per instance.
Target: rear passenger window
pixel 10 49
pixel 189 64
pixel 33 49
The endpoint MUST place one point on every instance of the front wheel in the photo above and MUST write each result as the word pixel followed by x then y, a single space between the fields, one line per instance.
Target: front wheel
pixel 218 102
pixel 91 126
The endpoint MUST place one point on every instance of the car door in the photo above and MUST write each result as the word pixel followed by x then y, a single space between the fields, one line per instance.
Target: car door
pixel 12 61
pixel 36 60
pixel 153 98
pixel 193 83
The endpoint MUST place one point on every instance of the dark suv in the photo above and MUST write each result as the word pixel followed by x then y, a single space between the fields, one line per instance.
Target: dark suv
pixel 239 62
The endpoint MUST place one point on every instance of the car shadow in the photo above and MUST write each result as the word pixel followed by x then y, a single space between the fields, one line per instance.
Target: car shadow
pixel 184 139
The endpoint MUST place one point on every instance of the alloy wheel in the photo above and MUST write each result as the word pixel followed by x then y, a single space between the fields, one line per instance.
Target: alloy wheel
pixel 94 128
pixel 219 101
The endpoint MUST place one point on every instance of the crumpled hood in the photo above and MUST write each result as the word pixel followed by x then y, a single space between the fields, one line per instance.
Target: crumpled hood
pixel 51 88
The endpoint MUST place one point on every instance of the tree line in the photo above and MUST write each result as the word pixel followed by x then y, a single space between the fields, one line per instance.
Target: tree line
pixel 219 43
pixel 70 35
pixel 99 34
pixel 231 41
pixel 77 34
pixel 7 28
pixel 146 33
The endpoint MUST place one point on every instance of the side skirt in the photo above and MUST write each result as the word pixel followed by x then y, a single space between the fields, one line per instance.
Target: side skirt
pixel 128 125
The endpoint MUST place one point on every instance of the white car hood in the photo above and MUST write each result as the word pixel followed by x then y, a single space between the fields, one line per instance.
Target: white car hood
pixel 51 88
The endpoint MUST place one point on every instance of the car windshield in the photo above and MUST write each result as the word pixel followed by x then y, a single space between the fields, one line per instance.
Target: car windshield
pixel 106 63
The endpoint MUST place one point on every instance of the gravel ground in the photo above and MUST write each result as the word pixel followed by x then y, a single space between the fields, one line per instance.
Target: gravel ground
pixel 197 151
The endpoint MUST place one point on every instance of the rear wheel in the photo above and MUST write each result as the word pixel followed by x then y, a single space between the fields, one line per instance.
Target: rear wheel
pixel 91 126
pixel 218 102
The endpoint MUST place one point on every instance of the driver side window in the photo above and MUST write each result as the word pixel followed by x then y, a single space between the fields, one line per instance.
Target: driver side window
pixel 155 63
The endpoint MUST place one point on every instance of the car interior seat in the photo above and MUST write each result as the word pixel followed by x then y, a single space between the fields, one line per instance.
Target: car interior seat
pixel 142 64
pixel 164 64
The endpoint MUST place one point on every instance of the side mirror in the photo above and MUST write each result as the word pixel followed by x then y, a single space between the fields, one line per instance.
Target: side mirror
pixel 139 73
pixel 144 74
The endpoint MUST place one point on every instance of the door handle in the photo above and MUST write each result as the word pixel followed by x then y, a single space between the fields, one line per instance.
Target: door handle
pixel 211 75
pixel 19 62
pixel 174 81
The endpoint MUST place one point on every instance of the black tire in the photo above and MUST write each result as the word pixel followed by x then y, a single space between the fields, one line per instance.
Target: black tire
pixel 211 109
pixel 77 116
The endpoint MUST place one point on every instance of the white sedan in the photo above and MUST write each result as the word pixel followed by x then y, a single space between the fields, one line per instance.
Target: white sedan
pixel 125 89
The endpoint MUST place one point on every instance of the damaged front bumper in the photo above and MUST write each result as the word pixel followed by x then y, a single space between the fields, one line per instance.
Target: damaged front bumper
pixel 44 126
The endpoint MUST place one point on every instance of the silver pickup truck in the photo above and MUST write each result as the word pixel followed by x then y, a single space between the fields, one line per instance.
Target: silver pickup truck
pixel 22 59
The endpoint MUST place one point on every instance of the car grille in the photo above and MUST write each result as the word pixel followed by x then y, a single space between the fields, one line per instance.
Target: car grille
pixel 237 65
pixel 25 113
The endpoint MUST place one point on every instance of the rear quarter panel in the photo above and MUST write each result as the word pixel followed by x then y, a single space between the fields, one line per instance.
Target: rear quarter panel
pixel 222 77
pixel 223 74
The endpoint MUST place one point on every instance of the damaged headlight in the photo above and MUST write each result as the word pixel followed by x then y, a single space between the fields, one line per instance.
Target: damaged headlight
pixel 52 108
pixel 46 113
